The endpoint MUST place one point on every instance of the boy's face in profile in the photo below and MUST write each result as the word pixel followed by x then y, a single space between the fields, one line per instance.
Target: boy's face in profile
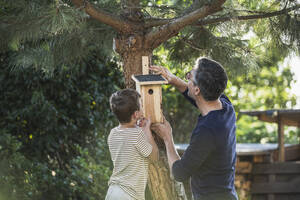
pixel 139 113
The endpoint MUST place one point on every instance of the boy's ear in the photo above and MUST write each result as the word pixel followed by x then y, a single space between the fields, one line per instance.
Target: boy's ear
pixel 135 114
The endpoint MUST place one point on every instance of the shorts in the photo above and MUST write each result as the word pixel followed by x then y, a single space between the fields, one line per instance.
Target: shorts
pixel 115 192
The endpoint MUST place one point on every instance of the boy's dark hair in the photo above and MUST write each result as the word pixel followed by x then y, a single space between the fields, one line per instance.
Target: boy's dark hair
pixel 124 103
pixel 211 78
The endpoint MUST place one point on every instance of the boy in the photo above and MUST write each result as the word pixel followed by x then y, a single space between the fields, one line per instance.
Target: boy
pixel 130 146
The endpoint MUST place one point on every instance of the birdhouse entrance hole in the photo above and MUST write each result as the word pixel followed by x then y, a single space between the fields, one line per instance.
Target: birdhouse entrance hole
pixel 150 91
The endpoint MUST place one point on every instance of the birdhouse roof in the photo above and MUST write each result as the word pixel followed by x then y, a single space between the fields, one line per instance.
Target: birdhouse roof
pixel 149 79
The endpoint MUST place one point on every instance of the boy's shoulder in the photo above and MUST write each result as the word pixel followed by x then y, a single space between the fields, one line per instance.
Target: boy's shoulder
pixel 129 131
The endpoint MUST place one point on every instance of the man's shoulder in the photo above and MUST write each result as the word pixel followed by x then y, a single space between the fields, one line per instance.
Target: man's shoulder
pixel 203 131
pixel 224 98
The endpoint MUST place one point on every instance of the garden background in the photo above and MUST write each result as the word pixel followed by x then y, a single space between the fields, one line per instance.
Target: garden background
pixel 58 67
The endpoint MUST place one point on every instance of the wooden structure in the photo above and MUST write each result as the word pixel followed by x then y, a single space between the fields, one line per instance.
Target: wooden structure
pixel 281 117
pixel 275 173
pixel 149 87
pixel 261 176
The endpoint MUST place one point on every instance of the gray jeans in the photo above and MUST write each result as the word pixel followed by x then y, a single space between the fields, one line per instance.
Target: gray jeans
pixel 114 192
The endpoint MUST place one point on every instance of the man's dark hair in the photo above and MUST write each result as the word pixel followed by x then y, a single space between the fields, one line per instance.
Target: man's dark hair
pixel 124 103
pixel 211 78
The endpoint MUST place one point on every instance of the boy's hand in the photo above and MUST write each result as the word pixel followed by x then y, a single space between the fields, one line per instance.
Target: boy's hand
pixel 144 123
pixel 164 130
pixel 162 71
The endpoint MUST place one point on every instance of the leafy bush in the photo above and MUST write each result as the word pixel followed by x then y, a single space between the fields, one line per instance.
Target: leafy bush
pixel 53 130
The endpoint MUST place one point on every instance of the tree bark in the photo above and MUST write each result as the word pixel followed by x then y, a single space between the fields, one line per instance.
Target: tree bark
pixel 161 183
pixel 131 49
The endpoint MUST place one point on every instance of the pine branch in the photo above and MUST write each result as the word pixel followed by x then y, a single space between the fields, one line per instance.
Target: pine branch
pixel 190 44
pixel 153 22
pixel 158 36
pixel 247 17
pixel 107 18
pixel 32 26
pixel 234 53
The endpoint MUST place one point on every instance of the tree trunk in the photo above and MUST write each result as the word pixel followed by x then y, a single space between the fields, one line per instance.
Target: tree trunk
pixel 132 62
pixel 162 186
pixel 161 183
pixel 131 51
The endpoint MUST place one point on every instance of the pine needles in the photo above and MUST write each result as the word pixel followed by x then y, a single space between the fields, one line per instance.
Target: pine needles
pixel 49 36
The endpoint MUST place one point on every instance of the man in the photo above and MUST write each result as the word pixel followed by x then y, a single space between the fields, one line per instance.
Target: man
pixel 210 157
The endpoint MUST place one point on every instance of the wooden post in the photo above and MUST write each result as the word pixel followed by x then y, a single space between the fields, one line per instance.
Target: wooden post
pixel 145 64
pixel 280 140
pixel 272 180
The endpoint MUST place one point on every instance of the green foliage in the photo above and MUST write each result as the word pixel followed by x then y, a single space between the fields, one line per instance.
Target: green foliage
pixel 55 85
pixel 48 35
pixel 26 178
pixel 53 130
pixel 264 87
pixel 229 42
pixel 251 130
pixel 230 50
pixel 251 51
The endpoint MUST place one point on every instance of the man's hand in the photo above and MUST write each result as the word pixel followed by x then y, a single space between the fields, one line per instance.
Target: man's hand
pixel 164 130
pixel 163 71
pixel 171 78
pixel 145 124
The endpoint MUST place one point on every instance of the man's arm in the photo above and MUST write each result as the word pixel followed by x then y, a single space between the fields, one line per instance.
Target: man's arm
pixel 154 154
pixel 180 84
pixel 200 147
pixel 145 125
pixel 172 153
pixel 165 132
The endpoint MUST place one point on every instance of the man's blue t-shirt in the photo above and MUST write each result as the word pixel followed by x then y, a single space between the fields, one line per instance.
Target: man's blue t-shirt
pixel 210 157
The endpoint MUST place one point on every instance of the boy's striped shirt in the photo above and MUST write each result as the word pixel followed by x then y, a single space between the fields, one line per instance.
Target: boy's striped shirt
pixel 129 150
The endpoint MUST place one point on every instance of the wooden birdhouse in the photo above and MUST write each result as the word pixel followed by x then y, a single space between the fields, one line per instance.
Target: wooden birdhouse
pixel 149 87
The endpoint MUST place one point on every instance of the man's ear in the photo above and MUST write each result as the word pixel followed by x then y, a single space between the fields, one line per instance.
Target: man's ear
pixel 197 91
